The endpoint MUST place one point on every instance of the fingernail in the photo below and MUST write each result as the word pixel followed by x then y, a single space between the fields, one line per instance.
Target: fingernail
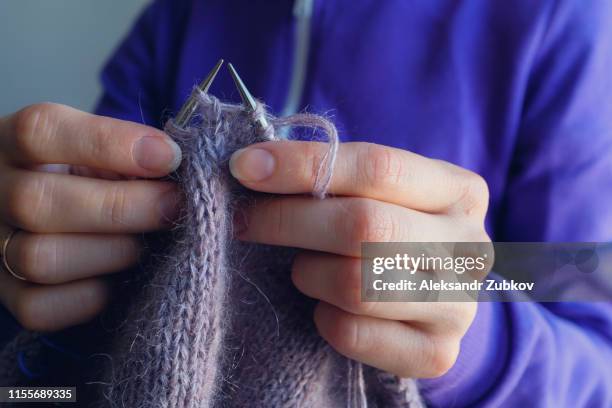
pixel 252 164
pixel 155 153
pixel 169 206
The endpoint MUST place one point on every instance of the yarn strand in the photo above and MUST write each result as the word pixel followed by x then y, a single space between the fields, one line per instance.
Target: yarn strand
pixel 215 322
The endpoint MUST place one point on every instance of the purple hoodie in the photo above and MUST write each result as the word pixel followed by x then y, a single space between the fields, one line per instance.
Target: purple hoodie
pixel 517 91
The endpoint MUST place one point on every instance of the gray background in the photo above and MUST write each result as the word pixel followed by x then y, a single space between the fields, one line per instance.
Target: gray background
pixel 53 50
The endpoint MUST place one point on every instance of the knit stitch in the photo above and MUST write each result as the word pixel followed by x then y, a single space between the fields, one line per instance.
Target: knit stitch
pixel 219 323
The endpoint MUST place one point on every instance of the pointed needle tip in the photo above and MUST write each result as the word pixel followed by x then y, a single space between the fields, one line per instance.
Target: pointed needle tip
pixel 246 96
pixel 207 82
pixel 190 105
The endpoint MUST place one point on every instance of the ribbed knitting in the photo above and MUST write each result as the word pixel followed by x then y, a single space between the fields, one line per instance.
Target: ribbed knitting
pixel 219 323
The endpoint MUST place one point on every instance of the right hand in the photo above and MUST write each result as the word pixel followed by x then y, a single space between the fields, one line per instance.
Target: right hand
pixel 80 220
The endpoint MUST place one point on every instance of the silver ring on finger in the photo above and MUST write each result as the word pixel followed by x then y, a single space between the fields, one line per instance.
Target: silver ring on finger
pixel 3 254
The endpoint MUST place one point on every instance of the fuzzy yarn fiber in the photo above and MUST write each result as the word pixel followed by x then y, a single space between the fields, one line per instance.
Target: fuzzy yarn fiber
pixel 218 322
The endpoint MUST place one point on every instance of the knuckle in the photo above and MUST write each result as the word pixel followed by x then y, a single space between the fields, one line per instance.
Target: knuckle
pixel 278 212
pixel 27 201
pixel 282 215
pixel 366 222
pixel 477 247
pixel 348 284
pixel 347 336
pixel 440 357
pixel 37 258
pixel 32 125
pixel 115 206
pixel 455 317
pixel 474 194
pixel 100 145
pixel 379 165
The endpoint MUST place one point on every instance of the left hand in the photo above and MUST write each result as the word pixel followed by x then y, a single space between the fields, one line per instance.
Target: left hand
pixel 379 194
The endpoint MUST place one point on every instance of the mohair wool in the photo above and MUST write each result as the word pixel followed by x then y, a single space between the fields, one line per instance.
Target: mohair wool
pixel 218 323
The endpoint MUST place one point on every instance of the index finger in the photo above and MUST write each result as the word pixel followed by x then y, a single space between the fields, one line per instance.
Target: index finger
pixel 362 170
pixel 53 134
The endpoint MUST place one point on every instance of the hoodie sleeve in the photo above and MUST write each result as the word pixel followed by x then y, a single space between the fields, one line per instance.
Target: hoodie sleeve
pixel 555 354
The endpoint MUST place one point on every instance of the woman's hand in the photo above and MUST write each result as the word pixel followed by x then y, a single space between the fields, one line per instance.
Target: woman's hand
pixel 80 220
pixel 380 194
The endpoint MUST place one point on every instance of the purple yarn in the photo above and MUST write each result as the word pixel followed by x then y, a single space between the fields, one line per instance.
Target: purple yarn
pixel 219 323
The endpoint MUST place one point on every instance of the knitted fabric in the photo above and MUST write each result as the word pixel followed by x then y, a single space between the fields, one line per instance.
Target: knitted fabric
pixel 219 323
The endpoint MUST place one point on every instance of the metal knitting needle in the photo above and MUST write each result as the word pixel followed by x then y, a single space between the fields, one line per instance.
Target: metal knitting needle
pixel 190 106
pixel 247 99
